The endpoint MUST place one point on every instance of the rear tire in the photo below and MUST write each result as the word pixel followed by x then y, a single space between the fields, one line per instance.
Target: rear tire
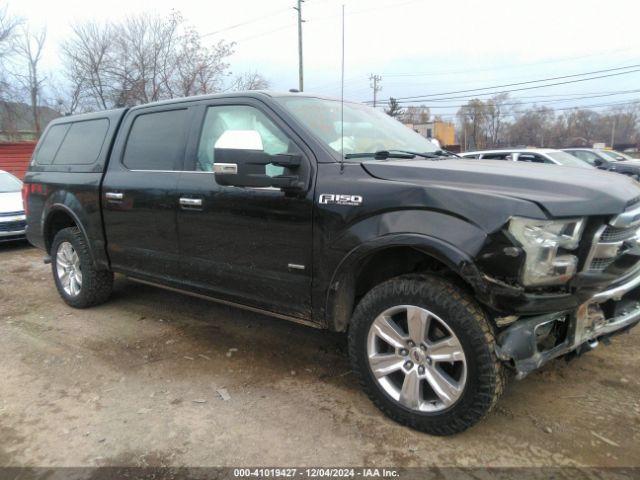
pixel 79 282
pixel 436 367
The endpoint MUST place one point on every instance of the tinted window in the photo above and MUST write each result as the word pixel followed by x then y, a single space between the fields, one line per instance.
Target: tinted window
pixel 83 142
pixel 51 143
pixel 238 117
pixel 496 156
pixel 584 155
pixel 157 141
pixel 528 157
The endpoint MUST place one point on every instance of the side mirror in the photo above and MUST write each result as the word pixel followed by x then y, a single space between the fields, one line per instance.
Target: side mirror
pixel 240 161
pixel 598 162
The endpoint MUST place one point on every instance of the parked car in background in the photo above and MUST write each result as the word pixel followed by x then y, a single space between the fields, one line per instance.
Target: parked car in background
pixel 12 217
pixel 528 155
pixel 609 160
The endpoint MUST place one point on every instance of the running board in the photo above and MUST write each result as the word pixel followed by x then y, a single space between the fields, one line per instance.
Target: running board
pixel 281 316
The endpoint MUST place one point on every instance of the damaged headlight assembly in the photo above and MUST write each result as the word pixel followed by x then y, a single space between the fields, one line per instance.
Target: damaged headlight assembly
pixel 545 243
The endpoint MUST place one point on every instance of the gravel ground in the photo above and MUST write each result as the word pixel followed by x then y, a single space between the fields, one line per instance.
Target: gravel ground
pixel 139 381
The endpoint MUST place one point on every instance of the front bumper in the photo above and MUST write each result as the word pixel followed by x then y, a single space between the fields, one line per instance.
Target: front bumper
pixel 12 227
pixel 602 315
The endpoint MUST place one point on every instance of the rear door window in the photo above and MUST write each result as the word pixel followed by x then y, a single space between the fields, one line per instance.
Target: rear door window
pixel 496 156
pixel 82 143
pixel 51 143
pixel 157 141
pixel 532 158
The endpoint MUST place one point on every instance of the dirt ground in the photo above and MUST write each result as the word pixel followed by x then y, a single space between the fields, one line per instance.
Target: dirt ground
pixel 135 382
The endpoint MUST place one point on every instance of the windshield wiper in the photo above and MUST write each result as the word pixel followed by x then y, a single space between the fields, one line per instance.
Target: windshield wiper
pixel 446 153
pixel 384 154
pixel 404 154
pixel 380 155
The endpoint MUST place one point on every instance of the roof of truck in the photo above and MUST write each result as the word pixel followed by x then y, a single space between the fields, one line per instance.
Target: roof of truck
pixel 246 94
pixel 117 112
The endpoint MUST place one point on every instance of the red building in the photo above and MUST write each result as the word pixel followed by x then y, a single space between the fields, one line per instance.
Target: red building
pixel 15 157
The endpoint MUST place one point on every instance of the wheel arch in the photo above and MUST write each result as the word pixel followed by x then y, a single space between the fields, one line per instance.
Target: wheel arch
pixel 383 258
pixel 60 216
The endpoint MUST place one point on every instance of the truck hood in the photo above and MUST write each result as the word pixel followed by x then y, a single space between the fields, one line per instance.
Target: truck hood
pixel 560 191
pixel 11 202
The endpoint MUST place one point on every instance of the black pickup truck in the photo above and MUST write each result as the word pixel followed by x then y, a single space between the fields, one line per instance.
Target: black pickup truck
pixel 447 274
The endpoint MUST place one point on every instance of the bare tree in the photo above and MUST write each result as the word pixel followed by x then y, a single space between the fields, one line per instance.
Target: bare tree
pixel 88 64
pixel 248 81
pixel 143 59
pixel 8 27
pixel 472 118
pixel 496 111
pixel 416 115
pixel 28 47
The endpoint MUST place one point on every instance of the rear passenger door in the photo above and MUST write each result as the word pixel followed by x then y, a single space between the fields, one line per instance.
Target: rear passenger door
pixel 139 192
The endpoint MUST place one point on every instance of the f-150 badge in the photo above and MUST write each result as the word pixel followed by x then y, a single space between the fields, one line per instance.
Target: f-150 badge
pixel 339 199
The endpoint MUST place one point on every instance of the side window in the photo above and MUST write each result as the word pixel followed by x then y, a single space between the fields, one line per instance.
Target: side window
pixel 157 141
pixel 496 156
pixel 532 158
pixel 223 118
pixel 83 143
pixel 51 143
pixel 586 156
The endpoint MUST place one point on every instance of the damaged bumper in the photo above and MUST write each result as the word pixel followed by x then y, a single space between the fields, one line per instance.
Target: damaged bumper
pixel 531 342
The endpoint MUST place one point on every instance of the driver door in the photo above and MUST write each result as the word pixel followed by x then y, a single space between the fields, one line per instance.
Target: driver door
pixel 246 245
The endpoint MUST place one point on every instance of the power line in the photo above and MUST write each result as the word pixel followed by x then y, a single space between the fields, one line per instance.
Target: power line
pixel 248 22
pixel 427 96
pixel 506 67
pixel 605 92
pixel 516 103
pixel 576 107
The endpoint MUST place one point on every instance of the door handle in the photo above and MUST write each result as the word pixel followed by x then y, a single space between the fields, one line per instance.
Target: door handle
pixel 114 196
pixel 190 202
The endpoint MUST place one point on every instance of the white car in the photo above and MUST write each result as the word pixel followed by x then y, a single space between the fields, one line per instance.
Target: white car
pixel 12 217
pixel 530 155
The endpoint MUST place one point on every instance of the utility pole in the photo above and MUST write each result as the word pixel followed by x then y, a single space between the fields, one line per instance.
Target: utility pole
pixel 613 131
pixel 300 20
pixel 375 84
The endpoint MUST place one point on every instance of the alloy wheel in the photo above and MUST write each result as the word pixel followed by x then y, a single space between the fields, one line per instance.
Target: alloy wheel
pixel 416 358
pixel 68 269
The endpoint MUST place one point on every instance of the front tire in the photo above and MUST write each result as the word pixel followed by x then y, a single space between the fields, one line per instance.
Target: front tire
pixel 79 282
pixel 424 353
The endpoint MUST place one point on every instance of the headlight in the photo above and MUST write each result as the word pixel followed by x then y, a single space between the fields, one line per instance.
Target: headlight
pixel 541 240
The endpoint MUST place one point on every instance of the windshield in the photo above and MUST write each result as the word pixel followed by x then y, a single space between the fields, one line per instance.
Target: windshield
pixel 9 183
pixel 568 160
pixel 615 156
pixel 366 130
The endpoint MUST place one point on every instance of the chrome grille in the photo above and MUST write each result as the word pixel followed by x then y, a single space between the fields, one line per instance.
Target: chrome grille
pixel 13 226
pixel 600 264
pixel 613 234
pixel 610 243
pixel 11 214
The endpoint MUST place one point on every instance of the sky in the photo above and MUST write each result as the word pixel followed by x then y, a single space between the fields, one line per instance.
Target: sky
pixel 418 47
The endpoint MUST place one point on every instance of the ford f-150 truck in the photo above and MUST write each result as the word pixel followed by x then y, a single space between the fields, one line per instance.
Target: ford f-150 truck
pixel 446 274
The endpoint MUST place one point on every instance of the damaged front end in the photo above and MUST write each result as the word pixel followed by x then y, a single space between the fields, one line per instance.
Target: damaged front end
pixel 530 342
pixel 599 297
